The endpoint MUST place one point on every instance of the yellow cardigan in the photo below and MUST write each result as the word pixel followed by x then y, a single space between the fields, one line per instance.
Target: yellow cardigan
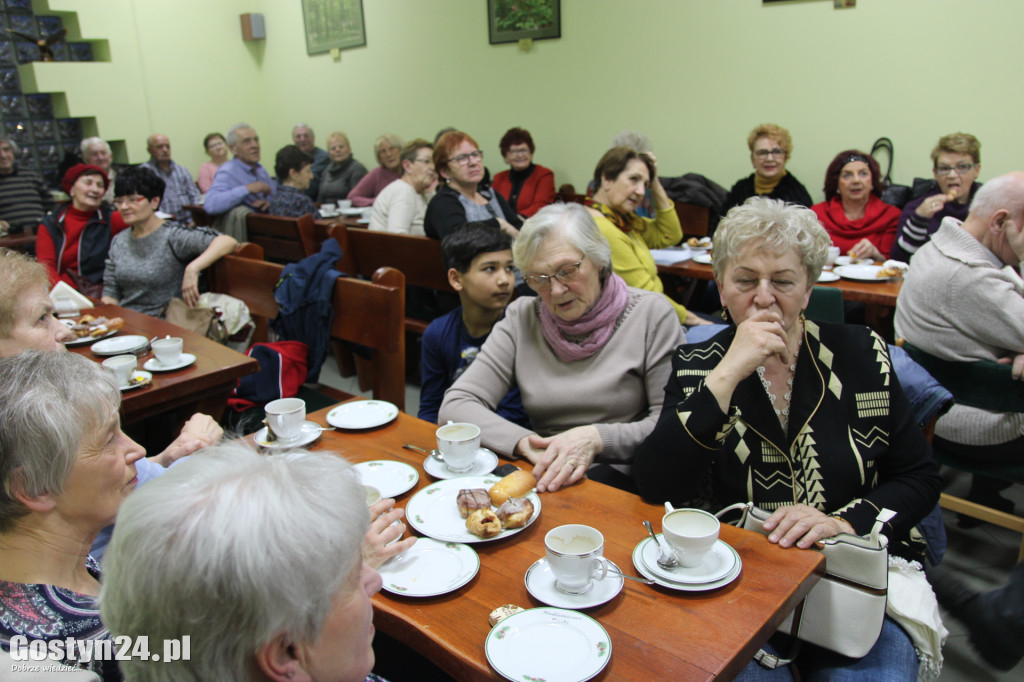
pixel 631 251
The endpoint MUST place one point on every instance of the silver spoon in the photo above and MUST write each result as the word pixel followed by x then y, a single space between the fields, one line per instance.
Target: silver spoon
pixel 665 559
pixel 645 581
pixel 436 454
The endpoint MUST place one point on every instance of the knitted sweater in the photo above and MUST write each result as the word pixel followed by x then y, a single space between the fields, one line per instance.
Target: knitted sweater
pixel 619 389
pixel 960 302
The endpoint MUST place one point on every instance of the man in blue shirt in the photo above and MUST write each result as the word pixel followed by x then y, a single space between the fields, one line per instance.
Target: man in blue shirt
pixel 241 185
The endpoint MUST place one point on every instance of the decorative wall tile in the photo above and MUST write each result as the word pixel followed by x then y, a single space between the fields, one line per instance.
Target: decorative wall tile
pixel 12 105
pixel 44 130
pixel 39 105
pixel 80 52
pixel 70 128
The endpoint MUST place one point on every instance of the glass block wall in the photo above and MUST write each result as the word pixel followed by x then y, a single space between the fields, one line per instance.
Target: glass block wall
pixel 28 119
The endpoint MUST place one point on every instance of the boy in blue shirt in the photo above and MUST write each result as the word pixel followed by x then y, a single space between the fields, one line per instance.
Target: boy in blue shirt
pixel 479 260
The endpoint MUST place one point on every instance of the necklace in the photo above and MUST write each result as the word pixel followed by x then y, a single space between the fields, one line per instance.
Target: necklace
pixel 782 411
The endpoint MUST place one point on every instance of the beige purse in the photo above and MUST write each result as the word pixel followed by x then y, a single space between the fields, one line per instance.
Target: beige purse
pixel 845 610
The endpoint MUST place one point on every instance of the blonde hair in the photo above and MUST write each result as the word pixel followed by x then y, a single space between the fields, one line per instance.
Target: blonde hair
pixel 772 132
pixel 18 273
pixel 957 143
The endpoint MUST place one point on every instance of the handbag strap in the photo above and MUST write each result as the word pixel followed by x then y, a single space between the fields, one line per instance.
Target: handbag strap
pixel 884 144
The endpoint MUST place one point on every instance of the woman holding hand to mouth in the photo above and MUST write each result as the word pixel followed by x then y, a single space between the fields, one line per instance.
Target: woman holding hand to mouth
pixel 589 354
pixel 854 215
pixel 621 178
pixel 73 240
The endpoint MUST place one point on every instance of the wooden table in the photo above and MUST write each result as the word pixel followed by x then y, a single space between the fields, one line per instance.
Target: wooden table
pixel 19 242
pixel 879 298
pixel 656 633
pixel 203 386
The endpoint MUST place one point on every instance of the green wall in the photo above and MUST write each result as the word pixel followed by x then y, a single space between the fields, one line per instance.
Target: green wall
pixel 694 75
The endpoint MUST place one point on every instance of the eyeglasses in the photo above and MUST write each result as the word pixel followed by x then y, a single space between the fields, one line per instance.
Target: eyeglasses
pixel 959 169
pixel 427 160
pixel 130 199
pixel 765 153
pixel 464 159
pixel 543 282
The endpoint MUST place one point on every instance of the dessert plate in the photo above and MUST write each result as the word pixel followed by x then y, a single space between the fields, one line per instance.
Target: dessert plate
pixel 540 582
pixel 554 645
pixel 704 258
pixel 827 276
pixel 434 510
pixel 389 477
pixel 310 432
pixel 430 568
pixel 484 464
pixel 139 378
pixel 861 273
pixel 85 340
pixel 362 414
pixel 154 365
pixel 120 345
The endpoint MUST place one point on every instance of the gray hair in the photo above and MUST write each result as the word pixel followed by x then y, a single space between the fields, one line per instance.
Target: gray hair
pixel 1004 192
pixel 19 273
pixel 571 221
pixel 51 403
pixel 232 136
pixel 302 125
pixel 6 139
pixel 386 139
pixel 233 548
pixel 631 138
pixel 775 226
pixel 89 142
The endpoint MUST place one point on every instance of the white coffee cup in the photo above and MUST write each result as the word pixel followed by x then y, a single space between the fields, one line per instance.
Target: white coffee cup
pixel 690 533
pixel 833 254
pixel 574 553
pixel 345 204
pixel 843 260
pixel 373 495
pixel 285 418
pixel 327 208
pixel 458 443
pixel 123 367
pixel 167 350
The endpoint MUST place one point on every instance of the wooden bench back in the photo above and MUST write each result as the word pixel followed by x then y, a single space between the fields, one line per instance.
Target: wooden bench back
pixel 283 239
pixel 369 313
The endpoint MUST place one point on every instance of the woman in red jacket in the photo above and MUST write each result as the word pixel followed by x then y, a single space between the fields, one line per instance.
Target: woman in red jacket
pixel 527 186
pixel 853 213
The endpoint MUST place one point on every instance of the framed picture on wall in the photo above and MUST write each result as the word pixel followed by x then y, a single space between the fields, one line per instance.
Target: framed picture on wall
pixel 333 23
pixel 509 21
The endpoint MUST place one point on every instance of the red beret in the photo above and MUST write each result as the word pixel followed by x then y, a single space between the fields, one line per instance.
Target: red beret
pixel 80 169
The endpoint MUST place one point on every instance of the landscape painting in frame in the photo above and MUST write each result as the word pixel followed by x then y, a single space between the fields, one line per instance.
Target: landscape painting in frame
pixel 509 21
pixel 333 23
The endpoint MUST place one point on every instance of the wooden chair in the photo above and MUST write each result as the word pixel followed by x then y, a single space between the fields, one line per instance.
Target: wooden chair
pixel 695 219
pixel 990 386
pixel 282 238
pixel 826 305
pixel 368 313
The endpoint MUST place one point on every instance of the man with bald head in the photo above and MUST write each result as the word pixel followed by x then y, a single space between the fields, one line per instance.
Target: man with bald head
pixel 963 300
pixel 179 188
pixel 304 139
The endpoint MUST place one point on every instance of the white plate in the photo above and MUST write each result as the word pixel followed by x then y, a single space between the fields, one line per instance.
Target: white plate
pixel 362 414
pixel 328 214
pixel 484 464
pixel 137 375
pixel 389 477
pixel 434 510
pixel 120 345
pixel 554 645
pixel 310 432
pixel 153 365
pixel 718 563
pixel 88 339
pixel 430 568
pixel 540 582
pixel 861 273
pixel 641 566
pixel 827 276
pixel 354 210
pixel 703 258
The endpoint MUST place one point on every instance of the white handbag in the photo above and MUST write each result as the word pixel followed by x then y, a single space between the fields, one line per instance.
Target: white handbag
pixel 845 610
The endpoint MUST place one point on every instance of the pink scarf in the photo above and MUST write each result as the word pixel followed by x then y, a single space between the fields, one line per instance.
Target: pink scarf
pixel 592 329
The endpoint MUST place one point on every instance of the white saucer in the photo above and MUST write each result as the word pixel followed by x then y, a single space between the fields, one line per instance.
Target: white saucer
pixel 310 432
pixel 154 365
pixel 555 645
pixel 540 582
pixel 430 568
pixel 120 345
pixel 389 477
pixel 136 376
pixel 718 563
pixel 646 572
pixel 704 258
pixel 827 276
pixel 354 210
pixel 484 464
pixel 362 414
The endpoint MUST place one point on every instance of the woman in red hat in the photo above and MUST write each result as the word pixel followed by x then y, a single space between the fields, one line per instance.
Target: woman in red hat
pixel 73 240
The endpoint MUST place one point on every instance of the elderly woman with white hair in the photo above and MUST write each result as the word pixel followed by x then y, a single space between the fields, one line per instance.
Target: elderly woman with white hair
pixel 589 354
pixel 257 558
pixel 388 149
pixel 805 420
pixel 96 152
pixel 65 469
pixel 343 171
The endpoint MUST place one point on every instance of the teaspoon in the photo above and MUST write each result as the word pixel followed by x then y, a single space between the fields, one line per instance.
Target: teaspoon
pixel 665 559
